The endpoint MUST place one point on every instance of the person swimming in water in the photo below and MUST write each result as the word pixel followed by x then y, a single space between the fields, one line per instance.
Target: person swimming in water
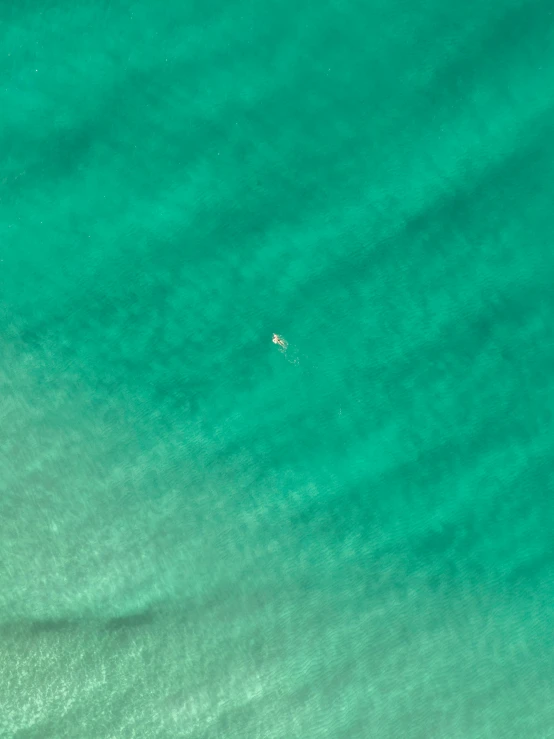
pixel 279 340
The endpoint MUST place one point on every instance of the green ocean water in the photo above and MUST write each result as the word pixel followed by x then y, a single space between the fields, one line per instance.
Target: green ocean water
pixel 202 536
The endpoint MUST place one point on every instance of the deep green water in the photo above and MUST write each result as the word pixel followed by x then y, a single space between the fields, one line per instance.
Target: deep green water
pixel 201 536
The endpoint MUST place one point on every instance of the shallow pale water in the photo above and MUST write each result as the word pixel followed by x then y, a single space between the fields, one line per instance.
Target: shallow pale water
pixel 201 535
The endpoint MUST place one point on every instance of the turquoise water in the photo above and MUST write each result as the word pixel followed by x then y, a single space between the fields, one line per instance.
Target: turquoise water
pixel 200 535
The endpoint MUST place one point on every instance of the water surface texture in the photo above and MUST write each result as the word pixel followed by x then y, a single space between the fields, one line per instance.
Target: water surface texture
pixel 202 536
